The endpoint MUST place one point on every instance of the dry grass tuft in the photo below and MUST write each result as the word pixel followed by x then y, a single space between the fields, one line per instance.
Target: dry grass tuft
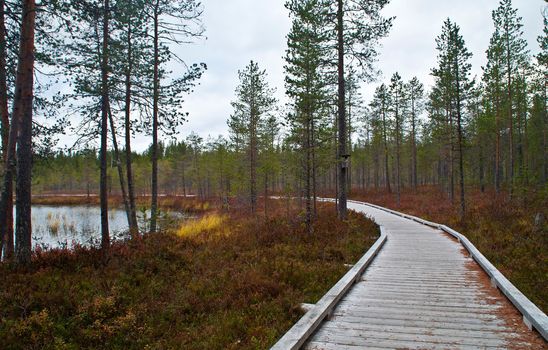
pixel 207 223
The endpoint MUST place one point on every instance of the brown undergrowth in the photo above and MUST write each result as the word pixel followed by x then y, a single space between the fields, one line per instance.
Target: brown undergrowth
pixel 503 230
pixel 235 284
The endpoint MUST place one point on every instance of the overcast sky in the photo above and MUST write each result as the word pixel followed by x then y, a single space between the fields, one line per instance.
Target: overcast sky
pixel 242 30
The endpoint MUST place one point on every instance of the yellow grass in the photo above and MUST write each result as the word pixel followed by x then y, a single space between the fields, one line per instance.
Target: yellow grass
pixel 206 223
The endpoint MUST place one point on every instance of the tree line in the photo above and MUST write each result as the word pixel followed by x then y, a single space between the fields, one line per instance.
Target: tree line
pixel 107 63
pixel 463 132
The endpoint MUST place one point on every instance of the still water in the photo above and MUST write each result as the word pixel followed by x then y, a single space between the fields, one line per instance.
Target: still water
pixel 66 226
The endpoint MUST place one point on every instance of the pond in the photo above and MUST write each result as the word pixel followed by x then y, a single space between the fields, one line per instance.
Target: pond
pixel 66 226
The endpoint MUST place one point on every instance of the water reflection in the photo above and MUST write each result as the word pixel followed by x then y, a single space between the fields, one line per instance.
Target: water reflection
pixel 65 226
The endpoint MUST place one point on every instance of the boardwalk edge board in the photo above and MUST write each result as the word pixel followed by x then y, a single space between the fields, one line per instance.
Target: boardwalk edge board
pixel 533 317
pixel 309 322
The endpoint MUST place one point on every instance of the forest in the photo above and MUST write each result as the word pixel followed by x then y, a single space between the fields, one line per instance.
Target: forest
pixel 468 151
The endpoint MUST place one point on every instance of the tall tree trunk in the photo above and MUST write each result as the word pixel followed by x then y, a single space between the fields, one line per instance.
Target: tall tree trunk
pixel 545 132
pixel 481 167
pixel 398 166
pixel 413 145
pixel 497 145
pixel 519 145
pixel 156 95
pixel 386 165
pixel 133 225
pixel 307 189
pixel 253 183
pixel 4 112
pixel 24 89
pixel 119 167
pixel 460 146
pixel 376 171
pixel 183 177
pixel 314 166
pixel 266 194
pixel 6 206
pixel 342 156
pixel 451 155
pixel 349 145
pixel 105 235
pixel 253 161
pixel 510 117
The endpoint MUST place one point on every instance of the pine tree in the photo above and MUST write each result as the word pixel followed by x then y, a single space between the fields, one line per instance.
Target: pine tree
pixel 512 47
pixel 453 80
pixel 379 109
pixel 132 72
pixel 105 235
pixel 398 111
pixel 306 86
pixel 540 99
pixel 415 93
pixel 254 101
pixel 442 98
pixel 23 112
pixel 172 22
pixel 493 80
pixel 359 25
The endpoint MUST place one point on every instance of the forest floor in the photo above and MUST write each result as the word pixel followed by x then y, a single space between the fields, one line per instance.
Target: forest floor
pixel 503 230
pixel 223 281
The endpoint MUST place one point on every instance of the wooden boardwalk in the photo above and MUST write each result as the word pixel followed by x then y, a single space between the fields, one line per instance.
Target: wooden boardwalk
pixel 422 291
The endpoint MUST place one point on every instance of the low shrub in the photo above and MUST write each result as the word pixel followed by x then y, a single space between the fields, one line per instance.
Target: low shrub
pixel 230 282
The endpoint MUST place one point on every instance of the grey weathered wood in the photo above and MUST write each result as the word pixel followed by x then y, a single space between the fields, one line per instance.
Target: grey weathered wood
pixel 306 307
pixel 420 292
pixel 300 332
pixel 465 333
pixel 533 317
pixel 357 336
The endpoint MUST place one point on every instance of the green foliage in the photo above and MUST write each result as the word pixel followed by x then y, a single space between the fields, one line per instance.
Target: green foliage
pixel 253 127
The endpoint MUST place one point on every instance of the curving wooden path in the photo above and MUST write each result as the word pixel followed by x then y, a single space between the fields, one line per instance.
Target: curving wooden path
pixel 422 291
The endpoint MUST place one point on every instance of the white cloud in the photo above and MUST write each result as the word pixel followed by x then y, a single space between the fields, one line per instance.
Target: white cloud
pixel 410 48
pixel 241 30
